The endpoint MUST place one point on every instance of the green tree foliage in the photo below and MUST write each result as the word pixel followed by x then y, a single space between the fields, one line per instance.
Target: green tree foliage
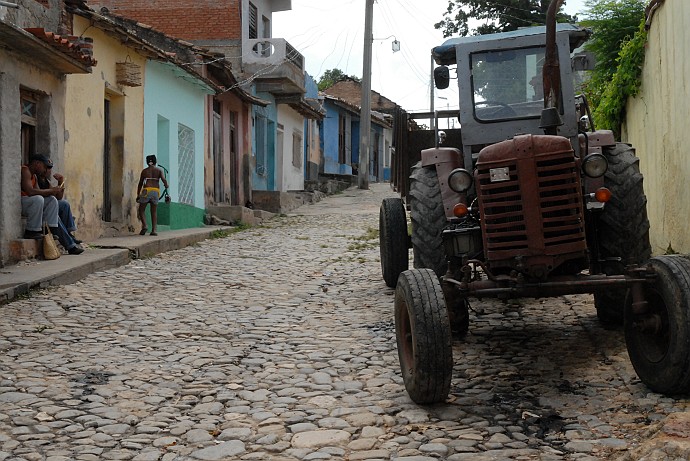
pixel 333 76
pixel 495 15
pixel 625 82
pixel 613 22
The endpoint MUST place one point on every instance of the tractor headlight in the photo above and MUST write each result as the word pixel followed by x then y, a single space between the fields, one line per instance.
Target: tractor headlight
pixel 460 180
pixel 595 165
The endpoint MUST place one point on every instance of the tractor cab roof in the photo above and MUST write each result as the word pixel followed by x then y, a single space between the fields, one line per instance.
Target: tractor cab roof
pixel 445 54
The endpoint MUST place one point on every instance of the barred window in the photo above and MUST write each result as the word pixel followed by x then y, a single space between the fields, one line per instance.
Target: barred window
pixel 185 159
pixel 29 133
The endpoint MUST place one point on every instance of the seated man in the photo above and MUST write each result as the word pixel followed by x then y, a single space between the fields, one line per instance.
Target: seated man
pixel 64 208
pixel 41 205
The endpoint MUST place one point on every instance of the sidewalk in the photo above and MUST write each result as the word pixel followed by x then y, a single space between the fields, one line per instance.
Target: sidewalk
pixel 101 254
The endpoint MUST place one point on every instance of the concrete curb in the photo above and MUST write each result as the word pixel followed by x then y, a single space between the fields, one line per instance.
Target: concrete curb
pixel 101 254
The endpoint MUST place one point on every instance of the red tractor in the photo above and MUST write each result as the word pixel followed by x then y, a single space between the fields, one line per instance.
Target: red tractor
pixel 534 203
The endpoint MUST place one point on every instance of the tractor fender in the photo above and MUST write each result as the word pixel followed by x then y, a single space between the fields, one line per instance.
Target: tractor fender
pixel 593 142
pixel 596 139
pixel 445 160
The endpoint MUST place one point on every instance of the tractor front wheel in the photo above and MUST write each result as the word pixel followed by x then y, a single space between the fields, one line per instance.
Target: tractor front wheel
pixel 423 334
pixel 658 339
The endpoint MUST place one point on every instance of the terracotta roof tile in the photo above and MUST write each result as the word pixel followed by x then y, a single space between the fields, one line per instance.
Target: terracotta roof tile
pixel 68 45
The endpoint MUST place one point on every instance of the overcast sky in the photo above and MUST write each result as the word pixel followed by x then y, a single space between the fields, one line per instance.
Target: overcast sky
pixel 330 35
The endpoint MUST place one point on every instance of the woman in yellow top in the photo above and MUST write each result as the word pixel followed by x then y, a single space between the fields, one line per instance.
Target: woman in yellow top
pixel 149 191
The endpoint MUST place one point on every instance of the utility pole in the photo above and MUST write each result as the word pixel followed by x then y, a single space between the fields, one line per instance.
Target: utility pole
pixel 365 115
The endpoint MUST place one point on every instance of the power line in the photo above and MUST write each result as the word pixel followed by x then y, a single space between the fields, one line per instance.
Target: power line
pixel 415 16
pixel 347 63
pixel 342 55
pixel 410 62
pixel 330 53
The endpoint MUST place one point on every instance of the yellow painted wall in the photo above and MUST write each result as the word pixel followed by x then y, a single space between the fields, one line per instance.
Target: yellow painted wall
pixel 314 154
pixel 85 134
pixel 48 86
pixel 657 125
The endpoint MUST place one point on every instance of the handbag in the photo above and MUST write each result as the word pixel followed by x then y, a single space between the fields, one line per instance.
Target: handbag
pixel 165 196
pixel 50 249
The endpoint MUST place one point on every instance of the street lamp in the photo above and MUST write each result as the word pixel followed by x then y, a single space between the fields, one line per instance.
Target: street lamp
pixel 395 44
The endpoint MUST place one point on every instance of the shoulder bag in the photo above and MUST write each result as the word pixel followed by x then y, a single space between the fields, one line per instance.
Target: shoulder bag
pixel 50 249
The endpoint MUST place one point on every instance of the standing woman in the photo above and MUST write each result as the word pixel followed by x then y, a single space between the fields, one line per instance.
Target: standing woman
pixel 149 191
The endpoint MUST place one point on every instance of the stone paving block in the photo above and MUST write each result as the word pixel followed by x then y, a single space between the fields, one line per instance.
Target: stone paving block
pixel 232 349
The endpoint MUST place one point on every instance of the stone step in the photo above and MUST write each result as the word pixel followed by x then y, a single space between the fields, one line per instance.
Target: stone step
pixel 25 249
pixel 233 214
pixel 262 215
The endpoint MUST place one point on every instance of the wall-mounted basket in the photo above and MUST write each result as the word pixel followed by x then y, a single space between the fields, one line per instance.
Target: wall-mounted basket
pixel 128 73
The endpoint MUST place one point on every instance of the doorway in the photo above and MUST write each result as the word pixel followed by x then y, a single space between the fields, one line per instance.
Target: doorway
pixel 218 164
pixel 113 158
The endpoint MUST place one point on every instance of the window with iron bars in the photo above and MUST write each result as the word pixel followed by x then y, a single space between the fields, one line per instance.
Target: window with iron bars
pixel 185 153
pixel 29 110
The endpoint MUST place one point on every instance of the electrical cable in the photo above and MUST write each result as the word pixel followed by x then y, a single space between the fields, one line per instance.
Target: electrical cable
pixel 410 62
pixel 347 63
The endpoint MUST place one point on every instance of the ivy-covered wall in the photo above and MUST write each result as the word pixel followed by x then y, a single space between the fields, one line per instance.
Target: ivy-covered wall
pixel 657 125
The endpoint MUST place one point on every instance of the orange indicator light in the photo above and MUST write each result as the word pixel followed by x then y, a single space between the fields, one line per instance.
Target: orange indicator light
pixel 460 210
pixel 602 195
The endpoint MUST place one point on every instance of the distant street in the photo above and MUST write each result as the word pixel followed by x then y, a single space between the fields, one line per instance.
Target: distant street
pixel 277 343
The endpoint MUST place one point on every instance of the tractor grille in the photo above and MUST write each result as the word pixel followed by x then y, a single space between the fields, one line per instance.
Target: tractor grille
pixel 535 210
pixel 560 197
pixel 502 205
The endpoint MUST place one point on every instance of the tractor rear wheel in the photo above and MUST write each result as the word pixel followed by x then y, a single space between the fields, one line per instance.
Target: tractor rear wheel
pixel 428 220
pixel 423 334
pixel 393 240
pixel 658 339
pixel 623 227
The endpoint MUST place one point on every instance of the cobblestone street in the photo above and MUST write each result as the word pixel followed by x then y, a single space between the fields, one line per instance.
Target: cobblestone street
pixel 277 343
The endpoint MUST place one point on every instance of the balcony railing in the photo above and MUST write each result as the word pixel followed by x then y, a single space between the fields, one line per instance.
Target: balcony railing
pixel 271 51
pixel 277 66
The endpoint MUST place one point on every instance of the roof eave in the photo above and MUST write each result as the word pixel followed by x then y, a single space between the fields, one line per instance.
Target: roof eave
pixel 24 43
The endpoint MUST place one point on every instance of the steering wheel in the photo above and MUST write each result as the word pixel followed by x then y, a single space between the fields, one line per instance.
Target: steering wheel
pixel 503 110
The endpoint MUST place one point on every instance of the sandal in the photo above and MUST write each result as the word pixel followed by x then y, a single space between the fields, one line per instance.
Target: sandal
pixel 154 233
pixel 143 231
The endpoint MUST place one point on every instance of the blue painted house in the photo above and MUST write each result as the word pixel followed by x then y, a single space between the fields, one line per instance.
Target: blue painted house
pixel 340 139
pixel 380 151
pixel 383 110
pixel 313 148
pixel 264 145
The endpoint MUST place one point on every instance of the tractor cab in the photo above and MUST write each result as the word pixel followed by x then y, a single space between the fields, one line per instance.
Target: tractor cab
pixel 500 81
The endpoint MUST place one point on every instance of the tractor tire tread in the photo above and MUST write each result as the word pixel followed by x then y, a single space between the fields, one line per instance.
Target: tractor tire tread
pixel 428 220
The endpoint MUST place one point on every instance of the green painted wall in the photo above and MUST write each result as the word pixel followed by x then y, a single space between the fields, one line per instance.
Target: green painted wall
pixel 172 216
